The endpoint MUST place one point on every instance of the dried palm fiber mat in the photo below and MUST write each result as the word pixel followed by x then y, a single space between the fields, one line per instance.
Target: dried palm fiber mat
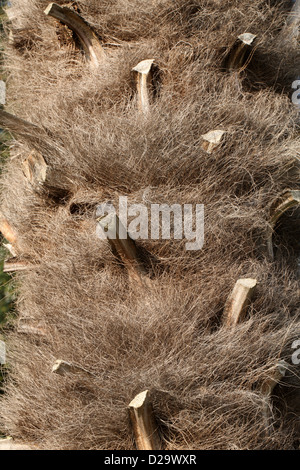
pixel 207 347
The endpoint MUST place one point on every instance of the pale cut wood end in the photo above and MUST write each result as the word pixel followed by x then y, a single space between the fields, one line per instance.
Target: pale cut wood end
pixel 247 38
pixel 212 140
pixel 144 66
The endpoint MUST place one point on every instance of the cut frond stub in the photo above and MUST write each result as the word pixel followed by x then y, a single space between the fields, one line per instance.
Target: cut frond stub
pixel 27 326
pixel 87 37
pixel 212 140
pixel 12 265
pixel 35 169
pixel 63 368
pixel 123 246
pixel 2 93
pixel 238 301
pixel 286 201
pixel 7 231
pixel 240 53
pixel 143 75
pixel 276 375
pixel 144 423
pixel 19 126
pixel 11 249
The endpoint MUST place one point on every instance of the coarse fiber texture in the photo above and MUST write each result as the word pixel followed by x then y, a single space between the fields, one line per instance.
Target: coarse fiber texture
pixel 168 336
